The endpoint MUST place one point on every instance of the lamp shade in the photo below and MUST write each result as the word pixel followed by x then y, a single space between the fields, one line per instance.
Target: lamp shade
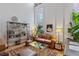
pixel 59 30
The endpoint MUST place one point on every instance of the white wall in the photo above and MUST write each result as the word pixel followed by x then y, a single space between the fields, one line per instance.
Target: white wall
pixel 24 12
pixel 49 17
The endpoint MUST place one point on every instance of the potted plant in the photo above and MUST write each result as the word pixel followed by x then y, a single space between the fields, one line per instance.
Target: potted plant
pixel 59 45
pixel 39 30
pixel 74 27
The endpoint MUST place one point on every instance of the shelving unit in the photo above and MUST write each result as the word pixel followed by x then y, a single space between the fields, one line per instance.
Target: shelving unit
pixel 16 33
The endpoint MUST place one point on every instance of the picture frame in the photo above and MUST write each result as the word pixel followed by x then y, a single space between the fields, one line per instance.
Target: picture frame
pixel 49 28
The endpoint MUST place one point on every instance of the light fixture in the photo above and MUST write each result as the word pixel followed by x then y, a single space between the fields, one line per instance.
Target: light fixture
pixel 58 31
pixel 36 4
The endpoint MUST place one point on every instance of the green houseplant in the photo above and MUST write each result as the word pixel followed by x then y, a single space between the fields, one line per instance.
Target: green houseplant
pixel 39 30
pixel 74 26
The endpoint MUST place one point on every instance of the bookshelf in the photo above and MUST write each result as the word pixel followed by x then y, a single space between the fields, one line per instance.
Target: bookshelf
pixel 17 33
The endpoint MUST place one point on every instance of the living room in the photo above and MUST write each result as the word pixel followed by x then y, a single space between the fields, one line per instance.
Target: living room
pixel 38 29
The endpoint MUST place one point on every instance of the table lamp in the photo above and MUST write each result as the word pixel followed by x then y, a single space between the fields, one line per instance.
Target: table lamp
pixel 58 30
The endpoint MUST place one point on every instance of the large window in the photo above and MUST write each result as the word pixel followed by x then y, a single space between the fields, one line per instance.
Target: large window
pixel 39 15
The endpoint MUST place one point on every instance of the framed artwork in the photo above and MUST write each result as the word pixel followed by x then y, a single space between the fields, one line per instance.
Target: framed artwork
pixel 49 28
